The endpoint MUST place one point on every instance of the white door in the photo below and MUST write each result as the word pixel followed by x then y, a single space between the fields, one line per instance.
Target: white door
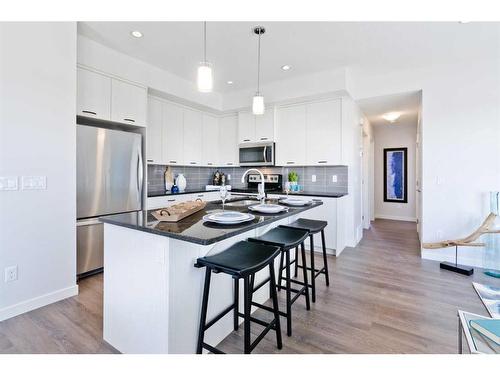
pixel 154 131
pixel 210 154
pixel 323 134
pixel 173 134
pixel 128 103
pixel 246 127
pixel 228 144
pixel 93 94
pixel 264 126
pixel 291 136
pixel 193 121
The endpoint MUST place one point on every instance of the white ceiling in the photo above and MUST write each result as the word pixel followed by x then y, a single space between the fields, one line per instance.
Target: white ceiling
pixel 407 104
pixel 307 46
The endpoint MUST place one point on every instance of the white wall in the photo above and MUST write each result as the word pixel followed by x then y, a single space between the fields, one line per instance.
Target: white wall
pixel 368 174
pixel 460 140
pixel 37 137
pixel 97 56
pixel 392 136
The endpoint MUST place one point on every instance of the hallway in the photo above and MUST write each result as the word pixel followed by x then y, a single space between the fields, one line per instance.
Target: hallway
pixel 382 299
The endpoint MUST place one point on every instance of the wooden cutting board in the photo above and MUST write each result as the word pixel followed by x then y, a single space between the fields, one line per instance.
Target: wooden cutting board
pixel 179 211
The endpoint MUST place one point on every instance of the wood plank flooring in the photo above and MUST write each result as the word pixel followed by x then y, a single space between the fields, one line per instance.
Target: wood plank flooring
pixel 383 298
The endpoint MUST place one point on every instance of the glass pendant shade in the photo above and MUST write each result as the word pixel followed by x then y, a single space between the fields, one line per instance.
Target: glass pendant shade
pixel 258 104
pixel 205 77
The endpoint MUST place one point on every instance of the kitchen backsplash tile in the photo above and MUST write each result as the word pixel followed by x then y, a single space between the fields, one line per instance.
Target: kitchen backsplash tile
pixel 198 177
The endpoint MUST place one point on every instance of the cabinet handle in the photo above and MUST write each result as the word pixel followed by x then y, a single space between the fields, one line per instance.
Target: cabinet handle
pixel 173 162
pixel 264 139
pixel 128 119
pixel 171 200
pixel 209 163
pixel 290 162
pixel 322 161
pixel 150 160
pixel 192 162
pixel 246 140
pixel 90 112
pixel 200 195
pixel 229 163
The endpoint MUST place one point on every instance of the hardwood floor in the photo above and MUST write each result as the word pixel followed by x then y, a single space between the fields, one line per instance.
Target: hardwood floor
pixel 382 299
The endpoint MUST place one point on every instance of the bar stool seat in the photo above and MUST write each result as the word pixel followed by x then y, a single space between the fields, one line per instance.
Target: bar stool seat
pixel 287 238
pixel 313 227
pixel 242 261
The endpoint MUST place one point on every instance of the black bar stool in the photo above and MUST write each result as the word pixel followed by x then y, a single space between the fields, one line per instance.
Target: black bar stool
pixel 287 238
pixel 241 260
pixel 313 227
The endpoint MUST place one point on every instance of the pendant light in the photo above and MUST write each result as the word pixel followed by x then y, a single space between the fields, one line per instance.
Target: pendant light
pixel 205 77
pixel 258 100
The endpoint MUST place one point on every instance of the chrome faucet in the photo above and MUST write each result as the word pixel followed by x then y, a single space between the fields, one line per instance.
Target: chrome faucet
pixel 261 195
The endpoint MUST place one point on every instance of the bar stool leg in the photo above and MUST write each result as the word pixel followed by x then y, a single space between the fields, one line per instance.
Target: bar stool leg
pixel 304 270
pixel 313 272
pixel 280 275
pixel 246 323
pixel 236 303
pixel 274 297
pixel 288 295
pixel 203 315
pixel 296 260
pixel 325 262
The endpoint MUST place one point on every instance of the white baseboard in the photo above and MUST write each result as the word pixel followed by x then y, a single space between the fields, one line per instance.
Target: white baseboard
pixel 400 218
pixel 37 302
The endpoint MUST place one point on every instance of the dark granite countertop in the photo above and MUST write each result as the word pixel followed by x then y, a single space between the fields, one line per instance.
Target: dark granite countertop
pixel 194 229
pixel 307 193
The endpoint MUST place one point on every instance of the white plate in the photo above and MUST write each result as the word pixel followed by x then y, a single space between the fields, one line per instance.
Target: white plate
pixel 268 208
pixel 229 217
pixel 295 201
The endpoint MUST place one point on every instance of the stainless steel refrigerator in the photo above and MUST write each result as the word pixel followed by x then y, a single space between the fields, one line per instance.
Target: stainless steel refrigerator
pixel 109 181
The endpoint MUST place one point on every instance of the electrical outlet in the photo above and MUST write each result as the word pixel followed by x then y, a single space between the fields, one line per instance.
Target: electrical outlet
pixel 229 177
pixel 334 178
pixel 10 274
pixel 313 178
pixel 439 235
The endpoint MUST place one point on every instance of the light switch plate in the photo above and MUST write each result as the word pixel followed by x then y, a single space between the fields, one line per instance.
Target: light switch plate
pixel 313 178
pixel 34 182
pixel 334 178
pixel 8 183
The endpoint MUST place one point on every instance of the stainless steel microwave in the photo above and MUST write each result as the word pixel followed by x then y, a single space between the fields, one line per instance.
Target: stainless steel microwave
pixel 254 154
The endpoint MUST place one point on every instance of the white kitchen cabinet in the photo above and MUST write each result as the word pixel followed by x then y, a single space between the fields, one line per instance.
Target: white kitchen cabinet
pixel 193 123
pixel 291 135
pixel 323 133
pixel 228 141
pixel 253 128
pixel 128 103
pixel 93 94
pixel 173 134
pixel 210 133
pixel 154 132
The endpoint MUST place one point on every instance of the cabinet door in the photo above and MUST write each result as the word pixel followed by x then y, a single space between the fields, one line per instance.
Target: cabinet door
pixel 228 145
pixel 291 135
pixel 264 126
pixel 192 137
pixel 210 156
pixel 93 94
pixel 173 134
pixel 323 133
pixel 128 103
pixel 154 131
pixel 246 127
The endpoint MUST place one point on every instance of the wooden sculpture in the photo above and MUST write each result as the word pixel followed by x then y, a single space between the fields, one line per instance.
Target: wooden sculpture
pixel 486 227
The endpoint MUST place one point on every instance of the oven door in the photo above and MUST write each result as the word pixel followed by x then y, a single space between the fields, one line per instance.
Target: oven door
pixel 254 154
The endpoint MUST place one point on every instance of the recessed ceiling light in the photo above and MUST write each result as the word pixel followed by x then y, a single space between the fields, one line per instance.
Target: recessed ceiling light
pixel 286 67
pixel 391 116
pixel 229 82
pixel 136 34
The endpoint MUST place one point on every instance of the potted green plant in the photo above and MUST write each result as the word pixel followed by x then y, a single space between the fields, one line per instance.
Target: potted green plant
pixel 293 178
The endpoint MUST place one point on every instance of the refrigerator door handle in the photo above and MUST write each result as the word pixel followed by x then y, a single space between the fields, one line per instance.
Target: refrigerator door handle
pixel 140 176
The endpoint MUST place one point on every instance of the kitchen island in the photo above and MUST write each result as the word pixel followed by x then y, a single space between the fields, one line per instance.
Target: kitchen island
pixel 152 291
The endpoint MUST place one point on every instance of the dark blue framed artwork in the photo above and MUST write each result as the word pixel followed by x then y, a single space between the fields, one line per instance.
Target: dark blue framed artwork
pixel 395 175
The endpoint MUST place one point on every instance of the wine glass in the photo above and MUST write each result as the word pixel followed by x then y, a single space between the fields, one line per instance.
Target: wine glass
pixel 287 188
pixel 223 195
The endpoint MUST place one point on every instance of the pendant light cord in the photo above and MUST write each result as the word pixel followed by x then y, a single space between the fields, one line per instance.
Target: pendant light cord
pixel 205 41
pixel 258 67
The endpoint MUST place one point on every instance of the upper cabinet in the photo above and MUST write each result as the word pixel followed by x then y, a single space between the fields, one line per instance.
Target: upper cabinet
pixel 173 134
pixel 106 98
pixel 93 95
pixel 252 128
pixel 210 136
pixel 291 135
pixel 128 103
pixel 228 141
pixel 324 133
pixel 193 126
pixel 154 131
